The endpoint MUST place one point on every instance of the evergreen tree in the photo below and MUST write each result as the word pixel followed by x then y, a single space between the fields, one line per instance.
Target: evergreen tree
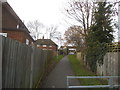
pixel 102 27
pixel 100 34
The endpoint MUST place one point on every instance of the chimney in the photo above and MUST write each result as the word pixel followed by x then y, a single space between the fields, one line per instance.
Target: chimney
pixel 43 37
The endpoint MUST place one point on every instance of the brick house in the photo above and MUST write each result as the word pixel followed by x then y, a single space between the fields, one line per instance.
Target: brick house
pixel 13 27
pixel 46 44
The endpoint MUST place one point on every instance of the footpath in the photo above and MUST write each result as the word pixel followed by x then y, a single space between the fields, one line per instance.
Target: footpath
pixel 58 77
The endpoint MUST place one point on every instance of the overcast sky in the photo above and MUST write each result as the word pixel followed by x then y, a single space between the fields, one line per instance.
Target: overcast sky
pixel 48 12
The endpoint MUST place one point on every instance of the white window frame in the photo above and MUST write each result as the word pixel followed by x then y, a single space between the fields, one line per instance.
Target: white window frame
pixel 38 45
pixel 27 41
pixel 3 34
pixel 50 46
pixel 44 45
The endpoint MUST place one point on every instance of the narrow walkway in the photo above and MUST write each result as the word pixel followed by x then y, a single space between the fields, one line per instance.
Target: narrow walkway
pixel 57 78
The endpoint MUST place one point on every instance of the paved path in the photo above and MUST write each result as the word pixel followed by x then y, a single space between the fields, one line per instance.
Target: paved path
pixel 57 78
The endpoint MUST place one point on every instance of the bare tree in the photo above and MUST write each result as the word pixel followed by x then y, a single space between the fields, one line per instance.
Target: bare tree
pixel 35 28
pixel 75 36
pixel 52 32
pixel 81 12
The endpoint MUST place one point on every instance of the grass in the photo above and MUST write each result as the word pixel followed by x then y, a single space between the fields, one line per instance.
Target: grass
pixel 81 70
pixel 57 58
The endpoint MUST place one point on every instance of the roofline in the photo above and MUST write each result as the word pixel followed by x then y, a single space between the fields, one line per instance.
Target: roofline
pixel 16 29
pixel 12 12
pixel 46 44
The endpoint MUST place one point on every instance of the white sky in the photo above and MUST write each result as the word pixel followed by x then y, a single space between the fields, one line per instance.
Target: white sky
pixel 48 12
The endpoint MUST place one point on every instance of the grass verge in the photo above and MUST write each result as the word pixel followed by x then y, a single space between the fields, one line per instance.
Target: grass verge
pixel 57 58
pixel 81 70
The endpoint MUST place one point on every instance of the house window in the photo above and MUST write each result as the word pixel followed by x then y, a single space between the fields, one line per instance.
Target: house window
pixel 27 41
pixel 38 45
pixel 17 26
pixel 44 45
pixel 3 34
pixel 50 46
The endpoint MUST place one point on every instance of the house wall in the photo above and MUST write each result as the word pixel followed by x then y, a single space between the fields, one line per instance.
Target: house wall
pixel 54 48
pixel 18 35
pixel 28 37
pixel 15 35
pixel 8 21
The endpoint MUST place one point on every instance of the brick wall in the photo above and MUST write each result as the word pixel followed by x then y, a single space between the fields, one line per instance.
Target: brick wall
pixel 18 35
pixel 53 47
pixel 15 35
pixel 9 23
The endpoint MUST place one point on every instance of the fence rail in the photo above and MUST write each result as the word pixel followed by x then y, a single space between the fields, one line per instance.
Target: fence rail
pixel 110 82
pixel 113 47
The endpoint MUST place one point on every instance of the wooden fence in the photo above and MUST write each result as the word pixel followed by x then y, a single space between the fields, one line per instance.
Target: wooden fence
pixel 22 65
pixel 113 47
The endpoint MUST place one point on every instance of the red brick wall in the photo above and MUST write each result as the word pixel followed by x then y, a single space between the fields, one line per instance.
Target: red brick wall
pixel 27 37
pixel 15 35
pixel 9 22
pixel 54 48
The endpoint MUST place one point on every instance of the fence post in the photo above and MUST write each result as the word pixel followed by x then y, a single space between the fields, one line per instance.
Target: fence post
pixel 110 83
pixel 67 83
pixel 32 66
pixel 0 46
pixel 0 62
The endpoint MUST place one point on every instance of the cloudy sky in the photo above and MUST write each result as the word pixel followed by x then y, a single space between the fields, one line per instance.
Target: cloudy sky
pixel 48 12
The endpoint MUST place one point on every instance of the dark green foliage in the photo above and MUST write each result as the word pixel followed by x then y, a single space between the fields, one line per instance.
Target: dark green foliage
pixel 95 51
pixel 102 27
pixel 99 34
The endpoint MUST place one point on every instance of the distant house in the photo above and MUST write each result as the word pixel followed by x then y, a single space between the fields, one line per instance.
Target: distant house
pixel 46 44
pixel 13 27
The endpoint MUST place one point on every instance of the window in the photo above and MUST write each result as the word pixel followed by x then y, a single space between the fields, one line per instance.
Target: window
pixel 44 45
pixel 27 41
pixel 50 46
pixel 3 34
pixel 38 45
pixel 18 26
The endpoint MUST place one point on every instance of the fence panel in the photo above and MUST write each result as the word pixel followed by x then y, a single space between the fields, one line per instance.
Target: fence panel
pixel 22 65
